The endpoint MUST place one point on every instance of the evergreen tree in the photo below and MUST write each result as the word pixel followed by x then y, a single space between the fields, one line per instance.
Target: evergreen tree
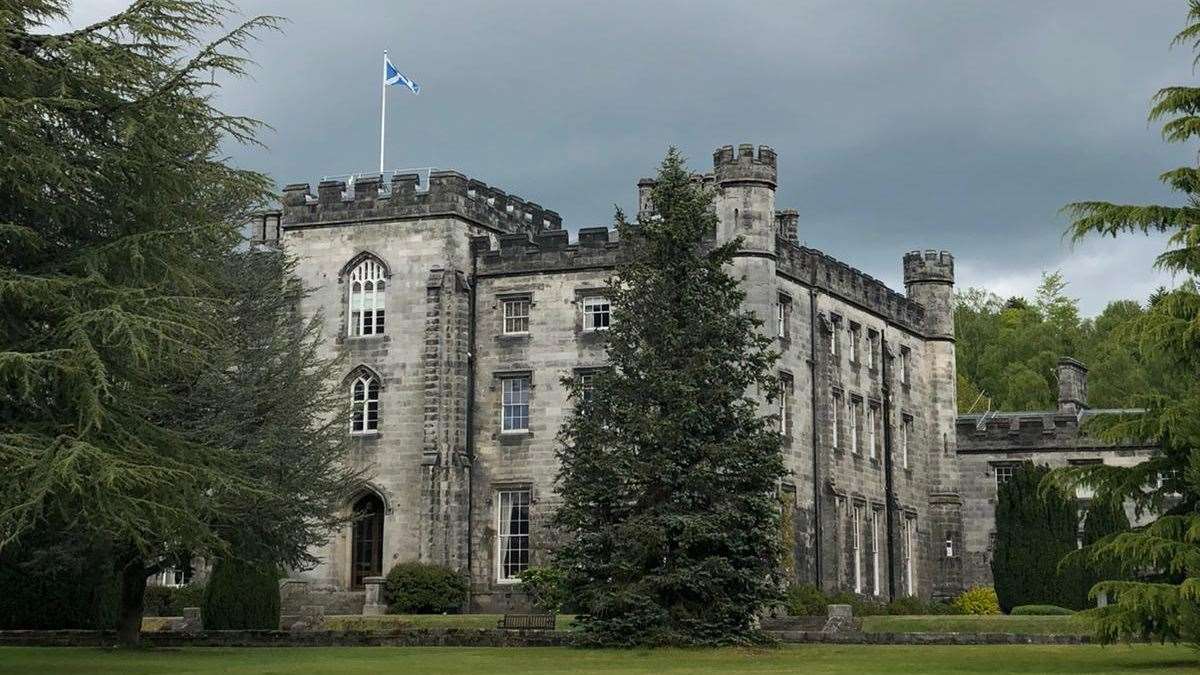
pixel 1034 532
pixel 135 408
pixel 241 596
pixel 1165 601
pixel 668 466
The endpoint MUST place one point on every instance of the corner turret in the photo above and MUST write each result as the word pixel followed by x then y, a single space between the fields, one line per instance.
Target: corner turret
pixel 745 199
pixel 929 280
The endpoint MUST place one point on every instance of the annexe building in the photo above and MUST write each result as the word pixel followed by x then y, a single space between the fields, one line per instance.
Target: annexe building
pixel 459 308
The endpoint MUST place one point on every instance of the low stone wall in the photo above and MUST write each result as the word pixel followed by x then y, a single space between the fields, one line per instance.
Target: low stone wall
pixel 859 638
pixel 455 637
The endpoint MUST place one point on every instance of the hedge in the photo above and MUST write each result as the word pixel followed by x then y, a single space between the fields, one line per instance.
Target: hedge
pixel 420 588
pixel 241 596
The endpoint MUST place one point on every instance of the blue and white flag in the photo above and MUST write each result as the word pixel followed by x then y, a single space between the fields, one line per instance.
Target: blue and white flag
pixel 393 76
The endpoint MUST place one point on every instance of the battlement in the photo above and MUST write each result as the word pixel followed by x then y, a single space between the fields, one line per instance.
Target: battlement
pixel 819 270
pixel 547 251
pixel 928 266
pixel 745 165
pixel 448 193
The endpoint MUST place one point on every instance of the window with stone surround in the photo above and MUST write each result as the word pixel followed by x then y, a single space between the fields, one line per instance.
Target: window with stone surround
pixel 1003 473
pixel 835 325
pixel 366 299
pixel 514 413
pixel 516 315
pixel 783 316
pixel 908 537
pixel 876 586
pixel 906 430
pixel 856 547
pixel 836 432
pixel 873 349
pixel 872 436
pixel 512 541
pixel 855 336
pixel 364 397
pixel 905 359
pixel 855 410
pixel 596 313
pixel 785 403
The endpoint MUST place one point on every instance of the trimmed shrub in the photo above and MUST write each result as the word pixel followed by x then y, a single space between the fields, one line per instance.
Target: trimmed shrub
pixel 51 580
pixel 805 600
pixel 906 605
pixel 1041 610
pixel 1034 531
pixel 419 588
pixel 170 601
pixel 978 600
pixel 546 588
pixel 240 596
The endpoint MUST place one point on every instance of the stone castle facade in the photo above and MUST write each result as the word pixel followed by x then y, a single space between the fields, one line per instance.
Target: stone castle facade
pixel 458 308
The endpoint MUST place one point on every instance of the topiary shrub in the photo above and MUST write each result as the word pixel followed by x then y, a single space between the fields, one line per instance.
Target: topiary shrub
pixel 978 600
pixel 546 588
pixel 241 596
pixel 805 600
pixel 1041 610
pixel 419 588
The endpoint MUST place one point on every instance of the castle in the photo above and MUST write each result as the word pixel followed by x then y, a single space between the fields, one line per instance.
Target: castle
pixel 459 308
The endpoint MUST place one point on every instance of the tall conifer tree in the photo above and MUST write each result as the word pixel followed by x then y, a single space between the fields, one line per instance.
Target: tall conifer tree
pixel 669 466
pixel 1165 601
pixel 1034 532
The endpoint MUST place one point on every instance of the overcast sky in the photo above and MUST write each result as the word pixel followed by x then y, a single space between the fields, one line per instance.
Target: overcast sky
pixel 899 125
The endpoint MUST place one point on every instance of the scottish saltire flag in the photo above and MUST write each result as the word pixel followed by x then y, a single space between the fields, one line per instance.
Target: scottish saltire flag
pixel 393 76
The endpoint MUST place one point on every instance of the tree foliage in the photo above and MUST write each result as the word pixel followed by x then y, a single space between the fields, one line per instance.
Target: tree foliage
pixel 1034 531
pixel 241 596
pixel 143 404
pixel 1163 600
pixel 668 466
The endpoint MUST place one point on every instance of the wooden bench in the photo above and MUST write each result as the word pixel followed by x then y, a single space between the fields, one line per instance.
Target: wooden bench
pixel 526 622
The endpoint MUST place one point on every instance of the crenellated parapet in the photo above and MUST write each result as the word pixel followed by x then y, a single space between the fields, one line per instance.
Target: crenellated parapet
pixel 448 193
pixel 928 267
pixel 814 268
pixel 548 251
pixel 745 165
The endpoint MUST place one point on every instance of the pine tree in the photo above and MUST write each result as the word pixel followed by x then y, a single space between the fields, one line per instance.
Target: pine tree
pixel 1034 532
pixel 668 467
pixel 127 392
pixel 1165 601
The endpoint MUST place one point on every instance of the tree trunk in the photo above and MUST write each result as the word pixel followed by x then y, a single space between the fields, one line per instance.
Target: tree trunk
pixel 133 600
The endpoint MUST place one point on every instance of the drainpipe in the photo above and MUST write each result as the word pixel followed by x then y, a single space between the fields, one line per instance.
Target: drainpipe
pixel 812 373
pixel 889 483
pixel 470 437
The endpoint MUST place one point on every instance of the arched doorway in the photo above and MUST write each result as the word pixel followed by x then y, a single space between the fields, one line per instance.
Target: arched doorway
pixel 367 540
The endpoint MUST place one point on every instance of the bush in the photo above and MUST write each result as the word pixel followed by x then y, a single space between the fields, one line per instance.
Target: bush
pixel 241 596
pixel 906 605
pixel 546 588
pixel 978 600
pixel 170 601
pixel 51 580
pixel 1041 610
pixel 805 600
pixel 419 588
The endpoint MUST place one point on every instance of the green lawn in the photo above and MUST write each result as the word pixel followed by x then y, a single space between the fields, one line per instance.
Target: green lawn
pixel 1029 625
pixel 445 660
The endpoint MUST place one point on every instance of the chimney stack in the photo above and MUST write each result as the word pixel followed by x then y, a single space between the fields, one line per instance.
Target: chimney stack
pixel 1072 386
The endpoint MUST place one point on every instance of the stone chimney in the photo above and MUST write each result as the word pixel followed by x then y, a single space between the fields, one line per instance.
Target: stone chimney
pixel 1072 386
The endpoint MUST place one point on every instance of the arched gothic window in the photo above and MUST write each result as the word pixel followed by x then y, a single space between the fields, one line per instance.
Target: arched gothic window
pixel 364 396
pixel 366 298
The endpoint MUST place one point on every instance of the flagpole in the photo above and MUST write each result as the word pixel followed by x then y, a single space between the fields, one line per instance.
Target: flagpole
pixel 382 110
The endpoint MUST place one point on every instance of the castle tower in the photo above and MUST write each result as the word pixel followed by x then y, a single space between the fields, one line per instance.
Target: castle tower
pixel 929 280
pixel 745 207
pixel 745 200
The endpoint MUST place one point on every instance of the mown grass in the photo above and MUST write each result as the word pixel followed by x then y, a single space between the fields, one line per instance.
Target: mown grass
pixel 822 659
pixel 1000 623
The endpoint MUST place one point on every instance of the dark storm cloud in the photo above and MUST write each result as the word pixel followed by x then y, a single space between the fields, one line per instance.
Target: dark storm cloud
pixel 899 125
